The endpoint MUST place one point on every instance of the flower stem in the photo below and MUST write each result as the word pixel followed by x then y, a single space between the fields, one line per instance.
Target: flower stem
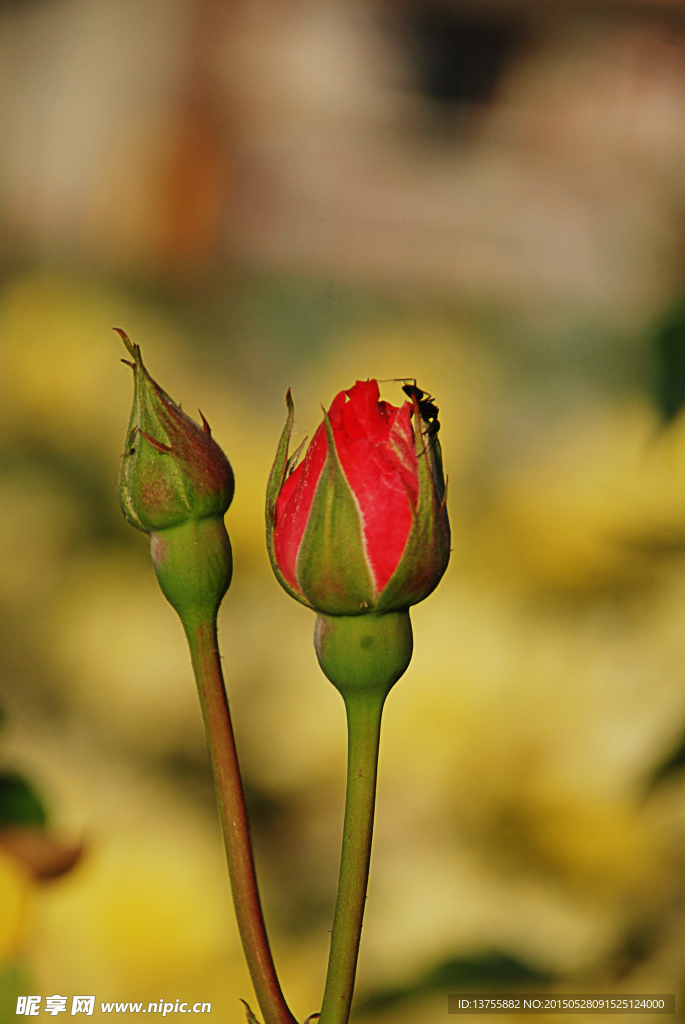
pixel 364 709
pixel 204 651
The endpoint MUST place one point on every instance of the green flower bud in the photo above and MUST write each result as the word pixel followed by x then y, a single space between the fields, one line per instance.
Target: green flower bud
pixel 171 470
pixel 176 484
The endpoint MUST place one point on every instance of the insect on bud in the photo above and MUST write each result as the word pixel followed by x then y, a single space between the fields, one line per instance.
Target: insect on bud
pixel 360 525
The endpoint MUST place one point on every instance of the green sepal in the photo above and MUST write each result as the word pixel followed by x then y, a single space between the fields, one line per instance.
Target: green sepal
pixel 427 550
pixel 331 565
pixel 145 471
pixel 283 463
pixel 251 1019
pixel 280 466
pixel 434 453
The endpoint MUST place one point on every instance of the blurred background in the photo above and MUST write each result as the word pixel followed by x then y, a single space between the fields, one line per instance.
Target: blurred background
pixel 489 197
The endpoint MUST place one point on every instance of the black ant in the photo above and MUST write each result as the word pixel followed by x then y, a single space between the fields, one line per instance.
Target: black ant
pixel 427 407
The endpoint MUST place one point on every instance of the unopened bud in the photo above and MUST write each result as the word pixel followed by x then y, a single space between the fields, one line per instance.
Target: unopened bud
pixel 176 484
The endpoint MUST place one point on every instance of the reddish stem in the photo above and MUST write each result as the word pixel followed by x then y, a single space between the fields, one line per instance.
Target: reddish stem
pixel 204 650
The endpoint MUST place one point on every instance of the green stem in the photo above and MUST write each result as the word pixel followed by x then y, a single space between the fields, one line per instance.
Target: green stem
pixel 363 656
pixel 364 709
pixel 202 639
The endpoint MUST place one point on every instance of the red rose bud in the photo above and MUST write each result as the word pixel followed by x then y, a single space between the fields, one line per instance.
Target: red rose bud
pixel 176 484
pixel 360 525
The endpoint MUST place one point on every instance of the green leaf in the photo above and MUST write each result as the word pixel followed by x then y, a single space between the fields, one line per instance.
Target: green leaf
pixel 19 804
pixel 331 565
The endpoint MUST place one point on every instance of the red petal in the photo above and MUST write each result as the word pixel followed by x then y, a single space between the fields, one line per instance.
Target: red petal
pixel 293 505
pixel 375 445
